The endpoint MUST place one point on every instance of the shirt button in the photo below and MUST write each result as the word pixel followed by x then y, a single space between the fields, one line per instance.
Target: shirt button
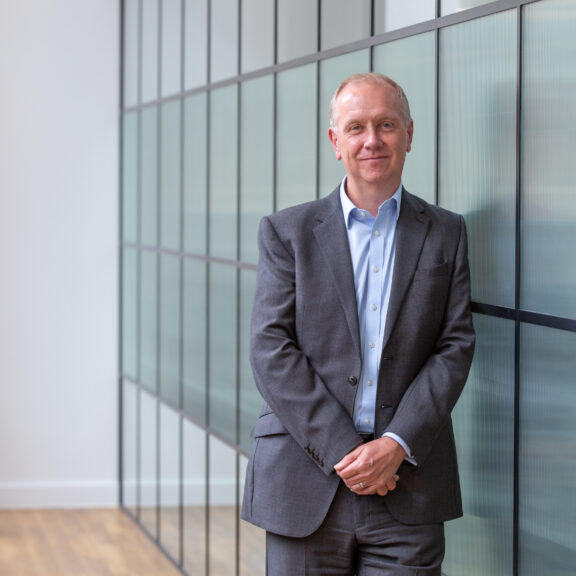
pixel 373 307
pixel 367 421
pixel 377 233
pixel 370 383
pixel 375 269
pixel 371 345
pixel 362 214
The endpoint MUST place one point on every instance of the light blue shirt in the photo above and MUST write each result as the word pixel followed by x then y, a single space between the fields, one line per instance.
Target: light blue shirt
pixel 373 249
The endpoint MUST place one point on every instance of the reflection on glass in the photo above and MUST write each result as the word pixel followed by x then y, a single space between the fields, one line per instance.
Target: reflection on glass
pixel 150 52
pixel 297 33
pixel 477 146
pixel 223 39
pixel 296 136
pixel 130 312
pixel 393 14
pixel 170 482
pixel 222 350
pixel 223 171
pixel 332 72
pixel 170 329
pixel 194 494
pixel 171 46
pixel 195 173
pixel 148 319
pixel 130 47
pixel 547 452
pixel 195 43
pixel 257 34
pixel 344 22
pixel 256 161
pixel 548 167
pixel 410 62
pixel 149 177
pixel 130 447
pixel 148 463
pixel 252 540
pixel 130 177
pixel 250 399
pixel 222 508
pixel 194 339
pixel 170 171
pixel 481 542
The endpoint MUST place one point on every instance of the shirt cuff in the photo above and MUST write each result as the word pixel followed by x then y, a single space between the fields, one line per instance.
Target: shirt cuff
pixel 409 457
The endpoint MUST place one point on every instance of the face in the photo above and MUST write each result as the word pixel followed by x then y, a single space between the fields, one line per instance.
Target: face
pixel 371 137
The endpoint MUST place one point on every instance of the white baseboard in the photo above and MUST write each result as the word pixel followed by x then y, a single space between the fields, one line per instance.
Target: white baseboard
pixel 81 494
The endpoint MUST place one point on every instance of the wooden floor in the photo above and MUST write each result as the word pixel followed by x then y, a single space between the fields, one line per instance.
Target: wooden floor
pixel 77 543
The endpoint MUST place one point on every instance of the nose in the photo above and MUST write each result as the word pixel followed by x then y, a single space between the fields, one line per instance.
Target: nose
pixel 372 137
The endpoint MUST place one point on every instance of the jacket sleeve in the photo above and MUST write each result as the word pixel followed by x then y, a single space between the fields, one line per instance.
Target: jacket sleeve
pixel 292 389
pixel 425 406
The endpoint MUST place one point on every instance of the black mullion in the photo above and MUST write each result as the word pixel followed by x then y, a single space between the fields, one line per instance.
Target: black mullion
pixel 181 543
pixel 517 326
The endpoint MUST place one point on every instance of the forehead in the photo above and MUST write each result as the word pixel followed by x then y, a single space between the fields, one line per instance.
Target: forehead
pixel 368 97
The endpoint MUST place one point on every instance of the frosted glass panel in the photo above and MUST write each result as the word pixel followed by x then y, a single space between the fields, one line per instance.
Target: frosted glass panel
pixel 148 463
pixel 150 49
pixel 481 542
pixel 410 62
pixel 223 350
pixel 170 329
pixel 149 177
pixel 131 52
pixel 195 43
pixel 130 177
pixel 344 22
pixel 450 6
pixel 194 318
pixel 250 399
pixel 170 171
pixel 393 14
pixel 547 452
pixel 296 136
pixel 223 39
pixel 171 46
pixel 195 173
pixel 332 73
pixel 130 312
pixel 223 172
pixel 548 168
pixel 149 319
pixel 170 482
pixel 256 161
pixel 477 146
pixel 194 494
pixel 222 509
pixel 257 34
pixel 130 447
pixel 297 28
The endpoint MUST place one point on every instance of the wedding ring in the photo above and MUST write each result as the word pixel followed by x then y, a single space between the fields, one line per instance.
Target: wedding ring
pixel 362 485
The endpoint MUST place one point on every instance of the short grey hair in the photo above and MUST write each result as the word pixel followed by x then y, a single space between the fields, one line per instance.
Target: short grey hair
pixel 374 78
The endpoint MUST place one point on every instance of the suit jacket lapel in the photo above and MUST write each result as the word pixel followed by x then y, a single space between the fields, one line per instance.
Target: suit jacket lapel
pixel 332 239
pixel 411 231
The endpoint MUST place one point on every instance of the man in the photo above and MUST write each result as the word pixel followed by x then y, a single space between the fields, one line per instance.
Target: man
pixel 362 340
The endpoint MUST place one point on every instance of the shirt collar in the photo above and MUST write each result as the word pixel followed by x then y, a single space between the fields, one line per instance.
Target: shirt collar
pixel 348 205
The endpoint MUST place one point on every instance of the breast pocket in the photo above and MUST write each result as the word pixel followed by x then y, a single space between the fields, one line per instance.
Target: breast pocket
pixel 432 272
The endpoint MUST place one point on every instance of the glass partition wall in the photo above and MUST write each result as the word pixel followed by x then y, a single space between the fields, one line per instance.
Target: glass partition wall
pixel 224 119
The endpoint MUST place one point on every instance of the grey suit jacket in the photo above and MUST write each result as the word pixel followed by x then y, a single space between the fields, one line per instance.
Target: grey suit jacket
pixel 306 359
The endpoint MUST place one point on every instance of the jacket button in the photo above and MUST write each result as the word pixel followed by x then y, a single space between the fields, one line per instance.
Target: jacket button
pixel 353 381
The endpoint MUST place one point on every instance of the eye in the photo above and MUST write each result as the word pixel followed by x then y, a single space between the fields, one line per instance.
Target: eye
pixel 354 128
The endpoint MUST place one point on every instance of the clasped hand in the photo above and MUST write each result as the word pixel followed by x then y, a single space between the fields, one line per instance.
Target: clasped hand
pixel 371 467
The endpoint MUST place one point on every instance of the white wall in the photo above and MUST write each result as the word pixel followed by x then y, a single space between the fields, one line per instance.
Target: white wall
pixel 59 62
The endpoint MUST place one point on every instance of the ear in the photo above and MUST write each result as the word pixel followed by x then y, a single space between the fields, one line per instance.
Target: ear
pixel 410 134
pixel 334 139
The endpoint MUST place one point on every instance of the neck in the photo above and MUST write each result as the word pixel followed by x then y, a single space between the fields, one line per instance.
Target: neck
pixel 370 198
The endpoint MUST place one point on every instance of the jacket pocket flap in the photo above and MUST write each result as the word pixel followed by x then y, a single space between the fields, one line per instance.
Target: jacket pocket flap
pixel 268 425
